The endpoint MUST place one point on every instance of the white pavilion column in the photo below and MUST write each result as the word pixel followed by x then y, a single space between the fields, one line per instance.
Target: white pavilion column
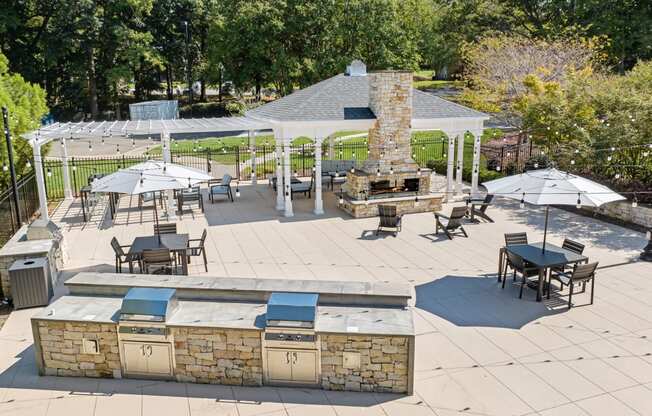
pixel 287 178
pixel 167 158
pixel 450 165
pixel 252 146
pixel 67 188
pixel 475 171
pixel 319 203
pixel 460 163
pixel 280 199
pixel 331 147
pixel 40 182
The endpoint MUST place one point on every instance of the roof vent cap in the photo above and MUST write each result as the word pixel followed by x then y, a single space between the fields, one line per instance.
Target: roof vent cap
pixel 356 69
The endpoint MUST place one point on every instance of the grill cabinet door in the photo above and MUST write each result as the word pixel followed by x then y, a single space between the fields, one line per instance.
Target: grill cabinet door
pixel 135 359
pixel 304 366
pixel 158 358
pixel 279 365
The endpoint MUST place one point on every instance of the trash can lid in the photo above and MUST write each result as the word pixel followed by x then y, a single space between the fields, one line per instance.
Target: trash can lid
pixel 33 263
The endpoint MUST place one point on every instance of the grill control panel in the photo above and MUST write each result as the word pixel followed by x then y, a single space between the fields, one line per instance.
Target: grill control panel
pixel 142 330
pixel 280 336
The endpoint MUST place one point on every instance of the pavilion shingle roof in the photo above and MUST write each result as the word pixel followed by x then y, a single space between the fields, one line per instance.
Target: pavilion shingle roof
pixel 344 97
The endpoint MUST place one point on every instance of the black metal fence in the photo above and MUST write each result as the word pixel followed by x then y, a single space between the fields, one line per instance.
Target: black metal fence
pixel 28 205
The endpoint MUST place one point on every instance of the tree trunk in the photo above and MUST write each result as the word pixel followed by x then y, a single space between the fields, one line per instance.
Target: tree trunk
pixel 202 93
pixel 258 88
pixel 219 88
pixel 92 84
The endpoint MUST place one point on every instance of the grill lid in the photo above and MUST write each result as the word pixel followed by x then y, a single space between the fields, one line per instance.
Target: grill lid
pixel 149 304
pixel 292 309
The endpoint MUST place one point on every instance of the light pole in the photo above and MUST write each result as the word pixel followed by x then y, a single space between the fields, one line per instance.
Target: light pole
pixel 12 168
pixel 188 74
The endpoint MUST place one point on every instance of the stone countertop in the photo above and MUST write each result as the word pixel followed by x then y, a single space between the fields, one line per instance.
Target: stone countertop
pixel 325 287
pixel 234 315
pixel 18 245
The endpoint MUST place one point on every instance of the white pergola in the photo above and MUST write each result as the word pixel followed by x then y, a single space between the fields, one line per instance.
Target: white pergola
pixel 336 104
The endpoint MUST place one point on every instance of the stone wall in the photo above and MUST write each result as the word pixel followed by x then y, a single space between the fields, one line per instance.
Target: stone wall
pixel 63 354
pixel 624 211
pixel 404 206
pixel 218 356
pixel 384 363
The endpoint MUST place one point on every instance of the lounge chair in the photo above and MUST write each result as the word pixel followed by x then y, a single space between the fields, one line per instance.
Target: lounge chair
pixel 121 257
pixel 220 187
pixel 581 273
pixel 518 265
pixel 482 211
pixel 190 197
pixel 389 218
pixel 301 187
pixel 451 224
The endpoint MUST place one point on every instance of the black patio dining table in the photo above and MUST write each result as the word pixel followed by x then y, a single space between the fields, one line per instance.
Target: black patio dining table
pixel 553 256
pixel 176 243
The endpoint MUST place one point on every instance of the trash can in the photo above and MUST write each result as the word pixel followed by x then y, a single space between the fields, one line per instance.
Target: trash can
pixel 30 282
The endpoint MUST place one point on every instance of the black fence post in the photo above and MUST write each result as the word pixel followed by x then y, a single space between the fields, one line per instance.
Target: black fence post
pixel 237 162
pixel 303 159
pixel 74 177
pixel 208 160
pixel 502 158
pixel 12 168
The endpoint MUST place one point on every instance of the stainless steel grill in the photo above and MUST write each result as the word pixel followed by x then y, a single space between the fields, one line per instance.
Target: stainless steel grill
pixel 146 345
pixel 291 353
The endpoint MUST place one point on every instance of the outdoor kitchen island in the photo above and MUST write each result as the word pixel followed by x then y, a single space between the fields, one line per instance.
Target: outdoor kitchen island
pixel 355 336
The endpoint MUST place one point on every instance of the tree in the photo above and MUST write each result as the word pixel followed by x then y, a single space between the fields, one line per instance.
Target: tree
pixel 26 105
pixel 496 68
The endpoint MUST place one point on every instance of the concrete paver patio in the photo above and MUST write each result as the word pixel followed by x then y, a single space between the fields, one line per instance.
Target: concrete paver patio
pixel 480 350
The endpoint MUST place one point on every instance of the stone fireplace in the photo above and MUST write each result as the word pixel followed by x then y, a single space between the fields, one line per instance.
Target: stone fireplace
pixel 389 175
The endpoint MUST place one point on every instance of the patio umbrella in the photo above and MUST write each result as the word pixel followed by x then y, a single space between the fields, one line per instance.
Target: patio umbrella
pixel 149 176
pixel 552 187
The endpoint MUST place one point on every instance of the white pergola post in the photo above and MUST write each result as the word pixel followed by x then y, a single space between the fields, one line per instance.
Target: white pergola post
pixel 280 199
pixel 67 188
pixel 40 182
pixel 475 172
pixel 460 163
pixel 287 177
pixel 252 147
pixel 319 203
pixel 167 158
pixel 450 165
pixel 331 147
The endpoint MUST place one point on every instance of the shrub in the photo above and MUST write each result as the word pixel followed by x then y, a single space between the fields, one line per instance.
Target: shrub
pixel 440 167
pixel 537 162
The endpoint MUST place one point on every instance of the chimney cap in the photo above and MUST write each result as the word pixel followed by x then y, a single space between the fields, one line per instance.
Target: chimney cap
pixel 357 68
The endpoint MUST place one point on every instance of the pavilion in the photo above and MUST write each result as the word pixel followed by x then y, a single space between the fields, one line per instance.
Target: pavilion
pixel 335 104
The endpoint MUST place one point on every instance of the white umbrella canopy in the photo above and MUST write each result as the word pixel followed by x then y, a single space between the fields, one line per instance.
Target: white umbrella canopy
pixel 552 187
pixel 149 176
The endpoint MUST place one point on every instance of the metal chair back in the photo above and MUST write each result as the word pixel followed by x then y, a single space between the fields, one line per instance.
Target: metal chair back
pixel 486 203
pixel 157 256
pixel 515 238
pixel 573 246
pixel 165 228
pixel 116 247
pixel 584 272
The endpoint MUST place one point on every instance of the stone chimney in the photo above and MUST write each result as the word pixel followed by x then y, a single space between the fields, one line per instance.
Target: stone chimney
pixel 390 98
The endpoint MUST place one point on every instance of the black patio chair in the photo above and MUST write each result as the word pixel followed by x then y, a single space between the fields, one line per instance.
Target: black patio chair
pixel 389 218
pixel 153 260
pixel 198 249
pixel 573 246
pixel 482 211
pixel 510 239
pixel 451 224
pixel 581 273
pixel 122 257
pixel 518 265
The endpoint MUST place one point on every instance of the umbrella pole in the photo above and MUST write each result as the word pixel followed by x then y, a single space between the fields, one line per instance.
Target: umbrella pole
pixel 545 230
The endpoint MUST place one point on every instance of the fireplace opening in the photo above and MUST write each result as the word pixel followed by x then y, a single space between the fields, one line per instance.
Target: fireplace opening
pixel 411 185
pixel 378 187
